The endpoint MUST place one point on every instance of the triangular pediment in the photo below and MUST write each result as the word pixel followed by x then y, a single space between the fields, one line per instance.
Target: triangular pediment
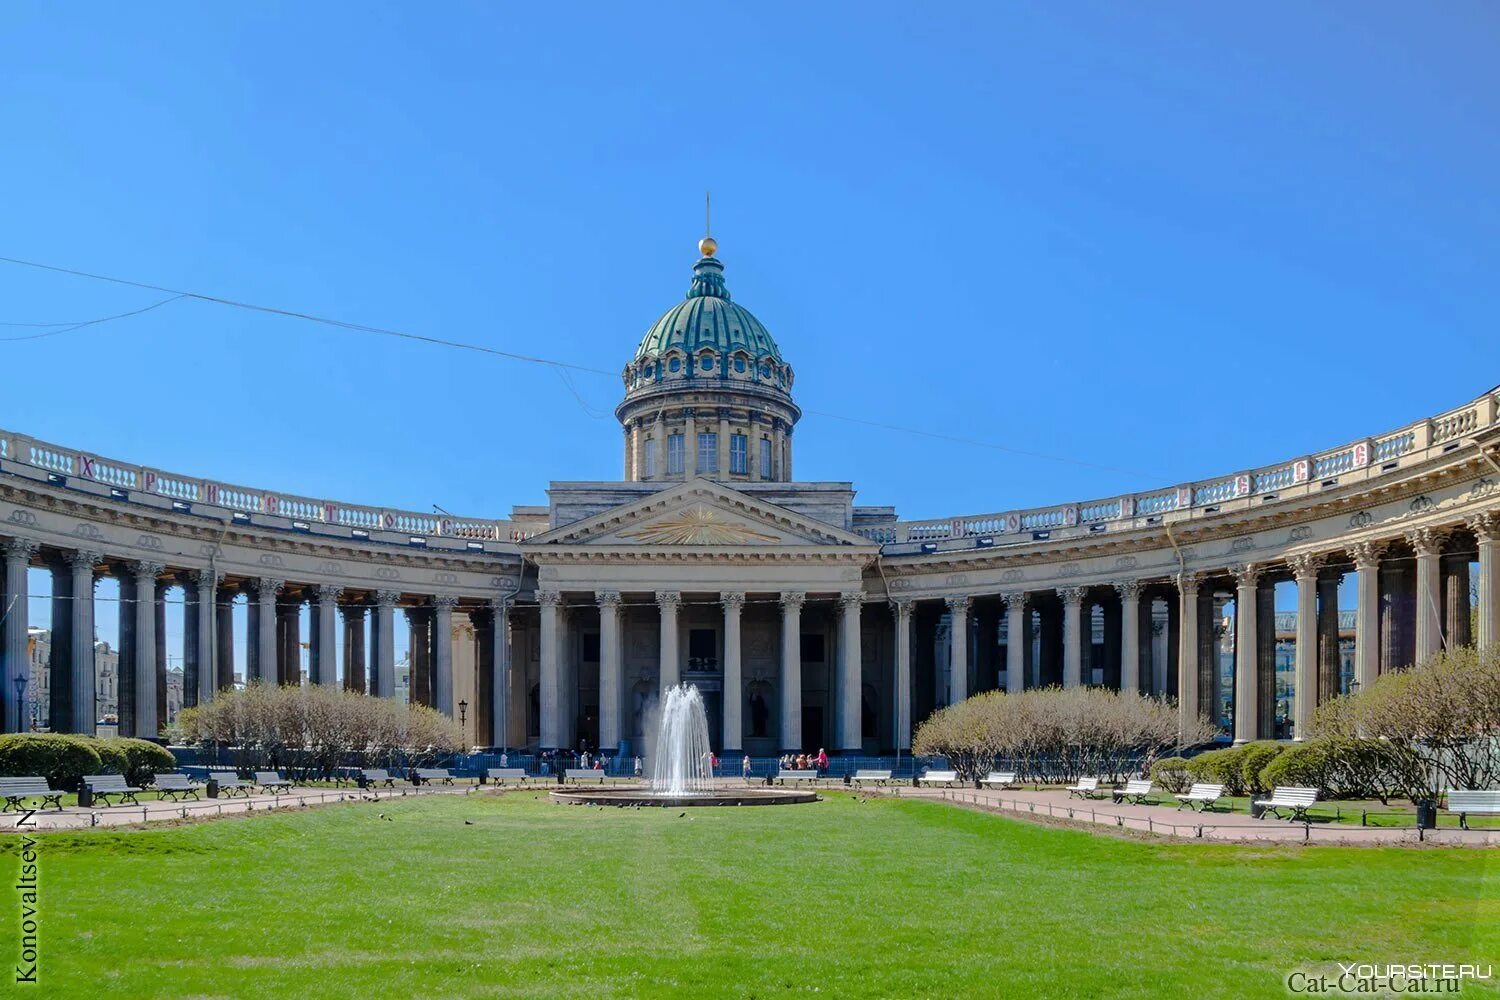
pixel 698 514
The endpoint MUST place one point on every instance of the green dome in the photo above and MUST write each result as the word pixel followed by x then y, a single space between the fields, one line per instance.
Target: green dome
pixel 708 319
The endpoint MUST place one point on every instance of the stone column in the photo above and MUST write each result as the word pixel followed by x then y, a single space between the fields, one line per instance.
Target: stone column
pixel 550 695
pixel 323 651
pixel 791 671
pixel 263 641
pixel 958 648
pixel 355 669
pixel 224 638
pixel 901 608
pixel 82 707
pixel 383 674
pixel 147 722
pixel 442 653
pixel 1330 665
pixel 689 443
pixel 671 661
pixel 1246 653
pixel 1130 636
pixel 661 434
pixel 609 668
pixel 1188 708
pixel 851 674
pixel 16 617
pixel 201 683
pixel 1305 683
pixel 1072 598
pixel 723 449
pixel 499 659
pixel 289 640
pixel 1428 545
pixel 734 682
pixel 1486 528
pixel 1456 606
pixel 1016 641
pixel 1367 613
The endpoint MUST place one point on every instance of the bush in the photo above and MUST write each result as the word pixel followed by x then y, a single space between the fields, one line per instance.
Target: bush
pixel 63 760
pixel 1172 774
pixel 1253 760
pixel 1305 765
pixel 1221 767
pixel 143 759
pixel 112 759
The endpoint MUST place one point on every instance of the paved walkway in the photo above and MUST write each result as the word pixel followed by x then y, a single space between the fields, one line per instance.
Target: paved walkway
pixel 157 810
pixel 1167 821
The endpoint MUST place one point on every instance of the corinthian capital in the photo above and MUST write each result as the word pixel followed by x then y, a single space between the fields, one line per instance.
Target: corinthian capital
pixel 387 598
pixel 1425 541
pixel 1245 574
pixel 1129 590
pixel 1306 565
pixel 84 559
pixel 24 548
pixel 548 598
pixel 733 600
pixel 445 601
pixel 669 600
pixel 1072 597
pixel 959 604
pixel 792 600
pixel 608 600
pixel 1485 525
pixel 145 571
pixel 1366 554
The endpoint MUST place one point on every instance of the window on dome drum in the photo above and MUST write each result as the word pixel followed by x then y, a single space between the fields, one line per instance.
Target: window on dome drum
pixel 765 371
pixel 674 454
pixel 708 452
pixel 707 362
pixel 739 365
pixel 765 458
pixel 650 461
pixel 737 443
pixel 674 365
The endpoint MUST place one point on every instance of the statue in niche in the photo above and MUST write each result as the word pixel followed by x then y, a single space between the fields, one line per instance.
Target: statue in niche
pixel 760 712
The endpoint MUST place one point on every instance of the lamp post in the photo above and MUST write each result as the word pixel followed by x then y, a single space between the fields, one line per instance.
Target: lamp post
pixel 22 716
pixel 463 712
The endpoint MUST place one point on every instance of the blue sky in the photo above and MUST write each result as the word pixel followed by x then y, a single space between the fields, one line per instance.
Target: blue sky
pixel 1157 242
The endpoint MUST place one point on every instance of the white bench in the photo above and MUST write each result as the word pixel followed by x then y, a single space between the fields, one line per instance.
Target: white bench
pixel 585 774
pixel 1086 788
pixel 999 779
pixel 1136 790
pixel 1201 796
pixel 1296 801
pixel 1480 802
pixel 870 777
pixel 503 774
pixel 432 775
pixel 377 776
pixel 172 784
pixel 938 778
pixel 785 776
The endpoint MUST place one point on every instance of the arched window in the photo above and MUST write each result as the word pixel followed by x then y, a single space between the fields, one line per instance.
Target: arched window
pixel 739 364
pixel 674 365
pixel 707 362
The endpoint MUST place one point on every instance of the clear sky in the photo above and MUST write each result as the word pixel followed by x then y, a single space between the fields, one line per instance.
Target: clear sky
pixel 1153 242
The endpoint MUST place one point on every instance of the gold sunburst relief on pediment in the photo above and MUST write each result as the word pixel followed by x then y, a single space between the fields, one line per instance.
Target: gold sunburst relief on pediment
pixel 698 525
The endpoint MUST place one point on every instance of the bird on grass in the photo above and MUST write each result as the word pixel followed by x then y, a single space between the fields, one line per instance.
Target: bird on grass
pixel 681 814
pixel 468 822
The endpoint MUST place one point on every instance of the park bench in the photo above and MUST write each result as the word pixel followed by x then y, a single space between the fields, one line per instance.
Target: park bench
pixel 1480 802
pixel 18 788
pixel 938 778
pixel 269 780
pixel 999 779
pixel 506 774
pixel 172 785
pixel 105 785
pixel 870 777
pixel 1201 796
pixel 788 775
pixel 585 774
pixel 432 775
pixel 1136 790
pixel 377 776
pixel 1086 788
pixel 229 783
pixel 1296 801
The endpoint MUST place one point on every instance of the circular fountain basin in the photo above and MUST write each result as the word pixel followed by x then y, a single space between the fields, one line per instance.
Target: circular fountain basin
pixel 641 795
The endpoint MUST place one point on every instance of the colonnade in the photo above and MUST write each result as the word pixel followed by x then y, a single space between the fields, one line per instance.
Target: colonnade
pixel 273 644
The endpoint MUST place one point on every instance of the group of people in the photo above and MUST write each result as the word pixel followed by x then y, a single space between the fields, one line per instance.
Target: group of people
pixel 805 762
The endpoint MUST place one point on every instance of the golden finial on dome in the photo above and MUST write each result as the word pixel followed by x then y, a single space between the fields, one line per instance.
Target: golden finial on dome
pixel 707 246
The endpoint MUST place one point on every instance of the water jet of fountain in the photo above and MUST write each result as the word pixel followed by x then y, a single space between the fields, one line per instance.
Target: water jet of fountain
pixel 680 760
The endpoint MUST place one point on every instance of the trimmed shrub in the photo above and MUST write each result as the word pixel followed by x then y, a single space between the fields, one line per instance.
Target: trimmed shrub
pixel 62 759
pixel 143 759
pixel 1172 774
pixel 1305 765
pixel 112 759
pixel 1253 760
pixel 1221 767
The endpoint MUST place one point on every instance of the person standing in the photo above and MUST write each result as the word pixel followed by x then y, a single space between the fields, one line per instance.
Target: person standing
pixel 822 761
pixel 745 766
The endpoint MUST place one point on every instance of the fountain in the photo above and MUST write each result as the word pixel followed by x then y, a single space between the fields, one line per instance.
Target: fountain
pixel 681 772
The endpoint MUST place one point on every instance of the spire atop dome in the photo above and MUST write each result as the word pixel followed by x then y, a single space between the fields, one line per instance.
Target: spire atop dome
pixel 708 244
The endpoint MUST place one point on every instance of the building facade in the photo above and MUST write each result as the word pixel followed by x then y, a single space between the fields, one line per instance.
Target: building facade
pixel 806 619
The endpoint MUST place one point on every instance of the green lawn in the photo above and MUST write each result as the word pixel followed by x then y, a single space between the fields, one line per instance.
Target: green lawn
pixel 881 898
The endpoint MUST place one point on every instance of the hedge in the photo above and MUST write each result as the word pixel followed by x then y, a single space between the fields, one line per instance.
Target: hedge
pixel 1172 774
pixel 1221 767
pixel 62 759
pixel 1253 760
pixel 144 760
pixel 112 759
pixel 1305 766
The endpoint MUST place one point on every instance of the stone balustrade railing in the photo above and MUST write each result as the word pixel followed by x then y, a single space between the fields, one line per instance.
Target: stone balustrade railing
pixel 68 463
pixel 1284 481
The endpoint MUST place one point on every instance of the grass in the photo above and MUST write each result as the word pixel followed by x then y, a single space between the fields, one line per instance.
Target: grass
pixel 460 896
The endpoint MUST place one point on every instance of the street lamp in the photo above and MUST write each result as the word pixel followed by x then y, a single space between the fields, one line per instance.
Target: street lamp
pixel 463 712
pixel 21 712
